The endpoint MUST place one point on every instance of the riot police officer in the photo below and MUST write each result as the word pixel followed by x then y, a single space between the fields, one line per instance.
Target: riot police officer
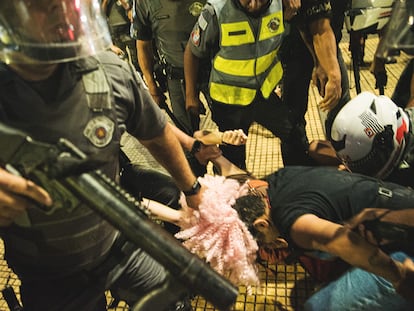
pixel 59 81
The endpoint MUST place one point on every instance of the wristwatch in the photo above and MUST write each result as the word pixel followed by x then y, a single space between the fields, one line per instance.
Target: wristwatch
pixel 195 188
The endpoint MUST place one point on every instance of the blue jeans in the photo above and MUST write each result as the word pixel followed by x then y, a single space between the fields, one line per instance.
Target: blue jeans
pixel 359 290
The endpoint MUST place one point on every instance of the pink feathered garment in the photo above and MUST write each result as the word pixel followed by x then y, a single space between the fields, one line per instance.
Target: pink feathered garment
pixel 219 236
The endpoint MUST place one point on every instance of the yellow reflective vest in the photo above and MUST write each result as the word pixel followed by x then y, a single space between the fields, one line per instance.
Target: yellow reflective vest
pixel 247 60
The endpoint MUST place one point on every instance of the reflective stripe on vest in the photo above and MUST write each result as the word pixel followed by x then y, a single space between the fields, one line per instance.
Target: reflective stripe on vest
pixel 245 64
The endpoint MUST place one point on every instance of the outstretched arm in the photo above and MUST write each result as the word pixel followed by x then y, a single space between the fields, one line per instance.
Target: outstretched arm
pixel 208 150
pixel 181 218
pixel 167 150
pixel 312 232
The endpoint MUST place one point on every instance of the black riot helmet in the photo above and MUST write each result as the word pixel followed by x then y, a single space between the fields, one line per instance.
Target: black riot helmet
pixel 51 31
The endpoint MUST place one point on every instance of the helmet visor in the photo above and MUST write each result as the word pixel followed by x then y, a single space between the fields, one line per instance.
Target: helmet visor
pixel 399 34
pixel 51 31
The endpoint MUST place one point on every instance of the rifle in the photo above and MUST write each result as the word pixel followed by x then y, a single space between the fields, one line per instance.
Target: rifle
pixel 62 168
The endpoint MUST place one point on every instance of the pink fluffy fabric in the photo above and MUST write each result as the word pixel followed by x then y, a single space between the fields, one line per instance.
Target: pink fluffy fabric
pixel 219 236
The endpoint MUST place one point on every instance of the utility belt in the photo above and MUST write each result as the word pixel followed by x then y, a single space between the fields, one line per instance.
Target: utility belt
pixel 174 73
pixel 121 31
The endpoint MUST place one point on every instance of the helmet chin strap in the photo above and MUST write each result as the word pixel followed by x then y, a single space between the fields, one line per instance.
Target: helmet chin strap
pixel 393 162
pixel 50 55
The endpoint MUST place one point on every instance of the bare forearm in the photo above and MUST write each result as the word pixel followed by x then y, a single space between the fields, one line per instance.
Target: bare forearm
pixel 191 63
pixel 355 250
pixel 167 150
pixel 312 232
pixel 146 63
pixel 324 44
pixel 163 212
pixel 185 140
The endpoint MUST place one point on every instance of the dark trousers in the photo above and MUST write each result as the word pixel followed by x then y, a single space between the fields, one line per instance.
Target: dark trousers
pixel 298 65
pixel 272 114
pixel 132 277
pixel 402 92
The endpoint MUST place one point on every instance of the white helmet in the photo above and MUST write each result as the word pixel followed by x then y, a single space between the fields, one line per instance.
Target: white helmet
pixel 51 31
pixel 368 15
pixel 399 33
pixel 368 134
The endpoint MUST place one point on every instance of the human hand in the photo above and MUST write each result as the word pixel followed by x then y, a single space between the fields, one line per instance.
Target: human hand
pixel 193 105
pixel 206 153
pixel 332 94
pixel 234 137
pixel 319 79
pixel 15 195
pixel 290 8
pixel 329 88
pixel 193 201
pixel 405 287
pixel 356 223
pixel 188 217
pixel 157 95
pixel 117 51
pixel 230 137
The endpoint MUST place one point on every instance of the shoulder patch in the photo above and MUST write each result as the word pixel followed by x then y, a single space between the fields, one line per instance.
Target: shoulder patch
pixel 99 131
pixel 195 36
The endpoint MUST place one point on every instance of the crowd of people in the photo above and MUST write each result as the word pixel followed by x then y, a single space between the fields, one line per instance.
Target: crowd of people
pixel 90 71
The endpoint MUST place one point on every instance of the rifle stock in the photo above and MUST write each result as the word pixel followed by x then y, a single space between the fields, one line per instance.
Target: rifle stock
pixel 43 164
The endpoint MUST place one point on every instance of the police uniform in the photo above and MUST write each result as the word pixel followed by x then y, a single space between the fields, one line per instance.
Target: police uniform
pixel 402 91
pixel 169 23
pixel 119 26
pixel 90 102
pixel 245 72
pixel 298 62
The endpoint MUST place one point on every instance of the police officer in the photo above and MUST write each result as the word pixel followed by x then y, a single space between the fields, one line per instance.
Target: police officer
pixel 119 16
pixel 167 23
pixel 318 25
pixel 57 80
pixel 242 39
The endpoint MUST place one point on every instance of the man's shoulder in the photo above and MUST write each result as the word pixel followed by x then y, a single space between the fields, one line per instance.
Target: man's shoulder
pixel 110 60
